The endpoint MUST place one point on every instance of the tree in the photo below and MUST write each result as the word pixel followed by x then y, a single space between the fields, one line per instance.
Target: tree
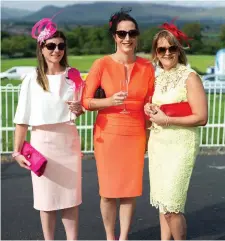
pixel 222 35
pixel 146 38
pixel 194 31
pixel 4 34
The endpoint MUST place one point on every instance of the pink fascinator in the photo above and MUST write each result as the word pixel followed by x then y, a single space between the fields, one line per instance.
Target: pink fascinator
pixel 181 36
pixel 45 28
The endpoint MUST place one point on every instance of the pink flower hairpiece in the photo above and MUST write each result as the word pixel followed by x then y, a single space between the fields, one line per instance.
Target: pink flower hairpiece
pixel 181 36
pixel 74 75
pixel 45 28
pixel 113 18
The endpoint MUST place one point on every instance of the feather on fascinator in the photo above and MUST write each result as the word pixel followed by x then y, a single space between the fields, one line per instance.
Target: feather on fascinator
pixel 180 36
pixel 45 28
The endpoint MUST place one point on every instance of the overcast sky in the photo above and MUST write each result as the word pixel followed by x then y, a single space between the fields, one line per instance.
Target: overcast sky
pixel 36 5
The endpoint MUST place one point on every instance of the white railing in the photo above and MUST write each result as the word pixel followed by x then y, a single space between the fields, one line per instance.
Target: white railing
pixel 213 134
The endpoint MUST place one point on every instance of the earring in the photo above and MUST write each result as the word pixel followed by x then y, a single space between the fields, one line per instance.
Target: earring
pixel 136 47
pixel 157 62
pixel 115 47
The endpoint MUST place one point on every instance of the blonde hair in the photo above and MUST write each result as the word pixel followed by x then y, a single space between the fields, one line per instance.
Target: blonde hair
pixel 42 65
pixel 182 59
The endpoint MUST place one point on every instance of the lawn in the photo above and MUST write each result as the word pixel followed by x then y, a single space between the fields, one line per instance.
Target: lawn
pixel 212 135
pixel 83 63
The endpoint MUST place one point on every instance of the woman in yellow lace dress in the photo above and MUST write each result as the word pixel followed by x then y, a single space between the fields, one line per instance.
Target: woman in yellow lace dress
pixel 174 141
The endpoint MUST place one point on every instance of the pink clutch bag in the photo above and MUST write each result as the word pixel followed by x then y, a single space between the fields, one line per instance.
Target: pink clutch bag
pixel 37 161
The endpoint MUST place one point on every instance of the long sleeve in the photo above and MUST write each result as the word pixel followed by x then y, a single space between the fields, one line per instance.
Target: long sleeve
pixel 23 111
pixel 93 81
pixel 151 84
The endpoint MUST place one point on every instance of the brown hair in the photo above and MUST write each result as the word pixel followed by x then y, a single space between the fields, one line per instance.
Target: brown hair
pixel 182 59
pixel 42 65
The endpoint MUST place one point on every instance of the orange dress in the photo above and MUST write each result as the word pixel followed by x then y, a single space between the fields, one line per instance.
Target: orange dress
pixel 119 139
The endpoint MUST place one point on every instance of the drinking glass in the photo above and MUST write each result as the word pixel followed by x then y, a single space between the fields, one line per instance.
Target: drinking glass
pixel 76 97
pixel 124 89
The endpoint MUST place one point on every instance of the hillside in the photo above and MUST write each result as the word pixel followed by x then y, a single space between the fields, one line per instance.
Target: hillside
pixel 144 12
pixel 13 13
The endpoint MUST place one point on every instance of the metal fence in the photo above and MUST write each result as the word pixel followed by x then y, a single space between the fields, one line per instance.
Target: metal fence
pixel 213 134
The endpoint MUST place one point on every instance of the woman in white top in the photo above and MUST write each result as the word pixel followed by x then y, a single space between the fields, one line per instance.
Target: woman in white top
pixel 43 104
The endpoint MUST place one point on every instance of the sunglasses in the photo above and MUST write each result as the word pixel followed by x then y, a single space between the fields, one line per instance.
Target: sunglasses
pixel 52 46
pixel 172 49
pixel 132 33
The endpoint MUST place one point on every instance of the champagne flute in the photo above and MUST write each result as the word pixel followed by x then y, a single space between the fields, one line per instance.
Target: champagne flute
pixel 124 89
pixel 76 97
pixel 152 105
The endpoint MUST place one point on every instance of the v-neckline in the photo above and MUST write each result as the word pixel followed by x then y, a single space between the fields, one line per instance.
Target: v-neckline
pixel 127 72
pixel 124 67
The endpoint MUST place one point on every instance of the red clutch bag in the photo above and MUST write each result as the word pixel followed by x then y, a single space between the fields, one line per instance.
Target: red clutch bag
pixel 37 161
pixel 177 109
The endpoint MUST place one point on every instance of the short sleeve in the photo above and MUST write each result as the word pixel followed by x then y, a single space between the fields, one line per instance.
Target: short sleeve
pixel 93 81
pixel 23 110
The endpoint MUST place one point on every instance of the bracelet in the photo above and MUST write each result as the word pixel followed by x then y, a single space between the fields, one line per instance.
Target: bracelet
pixel 15 154
pixel 167 120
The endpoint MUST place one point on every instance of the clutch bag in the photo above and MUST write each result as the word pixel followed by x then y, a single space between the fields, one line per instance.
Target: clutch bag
pixel 37 160
pixel 177 109
pixel 99 93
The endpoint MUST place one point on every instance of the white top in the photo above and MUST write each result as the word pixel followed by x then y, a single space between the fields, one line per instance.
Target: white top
pixel 38 107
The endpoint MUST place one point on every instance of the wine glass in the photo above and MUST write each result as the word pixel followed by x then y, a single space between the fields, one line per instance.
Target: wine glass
pixel 124 89
pixel 76 97
pixel 152 106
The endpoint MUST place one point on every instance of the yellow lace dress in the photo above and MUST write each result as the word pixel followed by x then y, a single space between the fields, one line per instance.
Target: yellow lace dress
pixel 172 150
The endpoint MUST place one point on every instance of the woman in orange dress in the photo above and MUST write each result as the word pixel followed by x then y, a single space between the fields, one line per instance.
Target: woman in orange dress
pixel 119 138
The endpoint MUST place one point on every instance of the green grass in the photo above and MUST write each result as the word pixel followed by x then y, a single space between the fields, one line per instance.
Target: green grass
pixel 83 63
pixel 8 115
pixel 201 62
pixel 213 135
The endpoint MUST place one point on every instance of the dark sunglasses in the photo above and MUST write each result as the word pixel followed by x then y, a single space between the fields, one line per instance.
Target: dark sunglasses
pixel 52 46
pixel 172 49
pixel 132 33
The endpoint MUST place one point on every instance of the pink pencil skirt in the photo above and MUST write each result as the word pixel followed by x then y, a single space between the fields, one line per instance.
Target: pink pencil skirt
pixel 60 185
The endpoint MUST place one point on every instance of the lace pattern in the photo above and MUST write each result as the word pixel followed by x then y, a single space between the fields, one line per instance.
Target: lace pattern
pixel 172 150
pixel 170 87
pixel 167 209
pixel 173 78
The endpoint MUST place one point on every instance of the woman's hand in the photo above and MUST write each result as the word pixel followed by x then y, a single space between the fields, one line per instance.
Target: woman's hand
pixel 160 118
pixel 75 107
pixel 118 98
pixel 23 162
pixel 150 109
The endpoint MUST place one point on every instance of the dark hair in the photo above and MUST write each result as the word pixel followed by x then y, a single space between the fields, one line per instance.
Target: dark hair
pixel 42 65
pixel 117 17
